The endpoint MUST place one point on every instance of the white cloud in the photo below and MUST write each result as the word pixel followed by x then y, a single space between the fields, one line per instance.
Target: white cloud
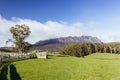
pixel 39 31
pixel 78 24
pixel 53 29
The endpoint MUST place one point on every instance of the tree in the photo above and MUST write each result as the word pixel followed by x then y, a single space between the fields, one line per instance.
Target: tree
pixel 20 33
pixel 72 50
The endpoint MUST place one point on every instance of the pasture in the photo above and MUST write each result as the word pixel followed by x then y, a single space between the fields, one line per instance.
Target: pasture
pixel 98 66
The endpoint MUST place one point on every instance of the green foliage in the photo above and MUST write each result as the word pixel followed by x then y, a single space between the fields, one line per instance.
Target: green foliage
pixel 5 49
pixel 115 46
pixel 83 49
pixel 20 33
pixel 79 50
pixel 72 50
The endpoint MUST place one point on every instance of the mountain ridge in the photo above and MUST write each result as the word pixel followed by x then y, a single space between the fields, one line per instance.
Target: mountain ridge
pixel 67 40
pixel 56 43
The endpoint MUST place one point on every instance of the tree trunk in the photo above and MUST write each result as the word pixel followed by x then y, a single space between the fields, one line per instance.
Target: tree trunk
pixel 20 51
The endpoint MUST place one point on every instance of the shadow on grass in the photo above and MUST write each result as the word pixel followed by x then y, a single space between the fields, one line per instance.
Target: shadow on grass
pixel 4 72
pixel 62 56
pixel 50 56
pixel 13 73
pixel 53 56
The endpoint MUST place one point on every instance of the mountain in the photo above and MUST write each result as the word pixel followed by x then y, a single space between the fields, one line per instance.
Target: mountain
pixel 56 43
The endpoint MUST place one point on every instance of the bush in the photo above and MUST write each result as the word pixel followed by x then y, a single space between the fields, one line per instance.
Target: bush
pixel 72 50
pixel 79 50
pixel 83 49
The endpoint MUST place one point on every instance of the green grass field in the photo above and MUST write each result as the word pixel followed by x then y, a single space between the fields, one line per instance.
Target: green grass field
pixel 93 67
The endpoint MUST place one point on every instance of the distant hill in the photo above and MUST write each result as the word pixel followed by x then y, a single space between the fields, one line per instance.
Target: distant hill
pixel 55 44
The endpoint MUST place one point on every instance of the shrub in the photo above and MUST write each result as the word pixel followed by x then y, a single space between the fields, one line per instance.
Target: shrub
pixel 72 50
pixel 79 50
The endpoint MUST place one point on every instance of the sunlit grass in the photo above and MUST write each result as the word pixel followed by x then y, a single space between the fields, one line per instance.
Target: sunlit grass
pixel 59 67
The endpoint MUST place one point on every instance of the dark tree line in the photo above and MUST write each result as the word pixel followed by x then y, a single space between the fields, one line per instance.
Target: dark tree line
pixel 83 49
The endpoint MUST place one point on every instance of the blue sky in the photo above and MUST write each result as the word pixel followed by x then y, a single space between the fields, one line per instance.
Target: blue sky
pixel 60 10
pixel 99 18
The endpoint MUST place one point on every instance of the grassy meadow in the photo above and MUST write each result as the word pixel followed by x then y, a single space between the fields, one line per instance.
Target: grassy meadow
pixel 96 66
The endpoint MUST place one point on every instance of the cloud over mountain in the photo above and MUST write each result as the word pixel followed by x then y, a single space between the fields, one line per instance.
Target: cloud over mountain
pixel 39 31
pixel 53 29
